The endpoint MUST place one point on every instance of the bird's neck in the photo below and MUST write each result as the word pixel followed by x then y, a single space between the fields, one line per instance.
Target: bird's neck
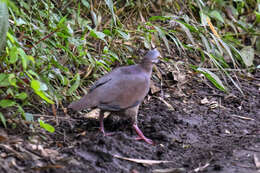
pixel 147 67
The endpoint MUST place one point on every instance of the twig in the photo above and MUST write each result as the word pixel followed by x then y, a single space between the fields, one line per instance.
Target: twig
pixel 44 38
pixel 242 117
pixel 6 147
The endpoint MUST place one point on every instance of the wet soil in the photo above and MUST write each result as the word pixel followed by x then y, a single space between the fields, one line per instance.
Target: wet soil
pixel 196 127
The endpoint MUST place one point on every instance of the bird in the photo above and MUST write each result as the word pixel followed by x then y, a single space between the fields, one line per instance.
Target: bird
pixel 122 90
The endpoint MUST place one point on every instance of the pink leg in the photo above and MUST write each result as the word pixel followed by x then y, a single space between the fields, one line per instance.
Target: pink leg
pixel 101 123
pixel 141 135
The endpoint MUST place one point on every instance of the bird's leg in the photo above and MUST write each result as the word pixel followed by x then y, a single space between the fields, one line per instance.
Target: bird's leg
pixel 141 135
pixel 133 113
pixel 101 123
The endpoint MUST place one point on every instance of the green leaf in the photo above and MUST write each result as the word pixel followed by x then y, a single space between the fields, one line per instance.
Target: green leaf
pixel 46 126
pixel 12 79
pixel 97 34
pixel 4 80
pixel 213 78
pixel 32 73
pixel 75 85
pixel 205 42
pixel 3 120
pixel 43 96
pixel 23 57
pixel 124 35
pixel 10 37
pixel 111 8
pixel 162 18
pixel 163 37
pixel 21 96
pixel 186 27
pixel 94 18
pixel 203 18
pixel 20 22
pixel 62 22
pixel 29 117
pixel 85 3
pixel 247 54
pixel 216 15
pixel 36 85
pixel 7 103
pixel 13 55
pixel 257 14
pixel 107 32
pixel 38 88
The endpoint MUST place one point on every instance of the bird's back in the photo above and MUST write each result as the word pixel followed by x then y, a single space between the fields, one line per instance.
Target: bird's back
pixel 120 89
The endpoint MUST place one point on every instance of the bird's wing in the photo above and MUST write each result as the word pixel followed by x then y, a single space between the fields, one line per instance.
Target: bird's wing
pixel 122 91
pixel 104 79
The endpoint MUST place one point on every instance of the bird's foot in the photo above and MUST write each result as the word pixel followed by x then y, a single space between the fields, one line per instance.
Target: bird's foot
pixel 141 135
pixel 106 134
pixel 147 140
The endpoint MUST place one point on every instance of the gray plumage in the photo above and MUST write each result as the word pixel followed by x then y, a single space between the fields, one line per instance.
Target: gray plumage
pixel 123 89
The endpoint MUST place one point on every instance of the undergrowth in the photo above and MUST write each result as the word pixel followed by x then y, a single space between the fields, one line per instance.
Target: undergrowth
pixel 54 49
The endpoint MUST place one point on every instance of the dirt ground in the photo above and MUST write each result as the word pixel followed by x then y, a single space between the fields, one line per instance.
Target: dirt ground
pixel 196 128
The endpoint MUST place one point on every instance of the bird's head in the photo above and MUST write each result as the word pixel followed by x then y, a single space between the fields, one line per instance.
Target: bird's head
pixel 151 56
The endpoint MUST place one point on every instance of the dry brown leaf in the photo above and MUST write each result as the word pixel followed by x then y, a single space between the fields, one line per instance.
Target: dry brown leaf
pixel 143 161
pixel 204 101
pixel 95 114
pixel 154 89
pixel 56 166
pixel 50 152
pixel 212 104
pixel 3 138
pixel 54 111
pixel 158 73
pixel 180 77
pixel 212 27
pixel 88 71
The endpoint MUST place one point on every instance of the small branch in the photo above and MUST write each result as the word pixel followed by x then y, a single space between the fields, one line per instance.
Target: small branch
pixel 42 39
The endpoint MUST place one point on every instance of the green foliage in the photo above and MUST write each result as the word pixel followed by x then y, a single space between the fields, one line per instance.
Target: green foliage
pixel 3 120
pixel 46 126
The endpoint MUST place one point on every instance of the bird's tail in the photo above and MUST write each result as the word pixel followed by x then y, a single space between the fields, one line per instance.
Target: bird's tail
pixel 84 102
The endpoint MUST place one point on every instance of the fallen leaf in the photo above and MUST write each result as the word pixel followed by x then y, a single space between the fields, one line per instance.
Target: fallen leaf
pixel 247 54
pixel 158 73
pixel 204 101
pixel 143 161
pixel 95 114
pixel 170 170
pixel 154 89
pixel 3 138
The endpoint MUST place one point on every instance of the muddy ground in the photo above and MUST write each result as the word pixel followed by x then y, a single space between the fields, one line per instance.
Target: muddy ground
pixel 195 127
